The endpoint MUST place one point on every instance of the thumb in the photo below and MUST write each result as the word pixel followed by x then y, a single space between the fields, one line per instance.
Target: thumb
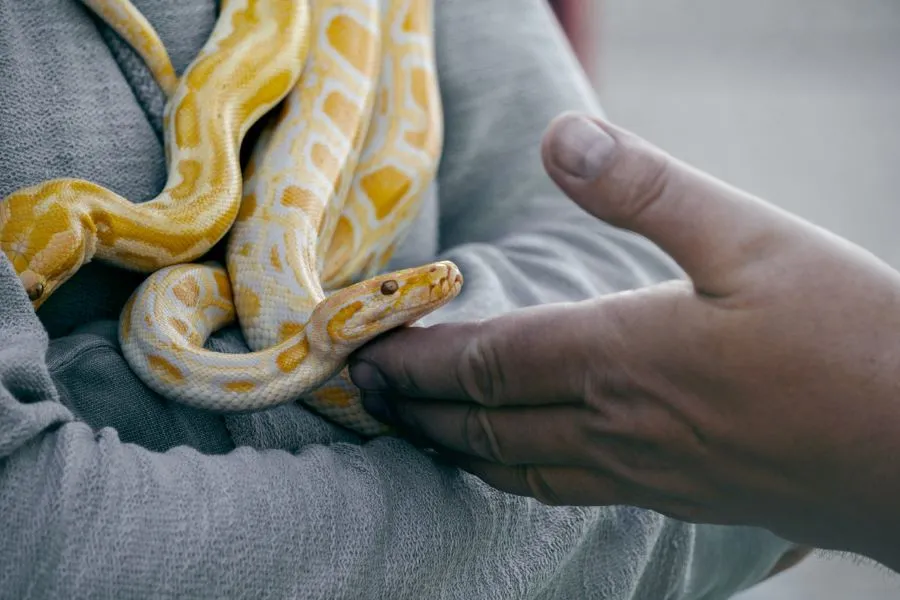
pixel 710 228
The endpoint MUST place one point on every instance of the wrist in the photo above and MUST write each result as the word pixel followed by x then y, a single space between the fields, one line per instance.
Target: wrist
pixel 863 503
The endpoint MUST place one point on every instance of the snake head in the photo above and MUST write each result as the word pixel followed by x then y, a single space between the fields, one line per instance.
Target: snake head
pixel 43 240
pixel 360 312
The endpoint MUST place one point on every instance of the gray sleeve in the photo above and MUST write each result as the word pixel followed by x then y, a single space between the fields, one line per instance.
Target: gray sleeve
pixel 88 516
pixel 506 72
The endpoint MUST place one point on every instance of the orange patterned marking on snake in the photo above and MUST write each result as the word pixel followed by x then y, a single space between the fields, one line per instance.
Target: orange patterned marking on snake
pixel 187 122
pixel 386 187
pixel 343 112
pixel 190 171
pixel 165 369
pixel 351 40
pixel 223 286
pixel 251 303
pixel 339 320
pixel 324 160
pixel 241 387
pixel 290 329
pixel 248 206
pixel 180 326
pixel 297 197
pixel 275 260
pixel 291 358
pixel 187 292
pixel 336 396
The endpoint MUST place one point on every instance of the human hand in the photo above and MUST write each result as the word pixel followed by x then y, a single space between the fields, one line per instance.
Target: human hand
pixel 763 391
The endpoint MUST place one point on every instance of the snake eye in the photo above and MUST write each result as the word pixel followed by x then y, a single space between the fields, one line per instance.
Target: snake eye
pixel 36 291
pixel 389 287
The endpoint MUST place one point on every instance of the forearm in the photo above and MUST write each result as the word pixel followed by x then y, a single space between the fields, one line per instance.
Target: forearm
pixel 87 515
pixel 107 519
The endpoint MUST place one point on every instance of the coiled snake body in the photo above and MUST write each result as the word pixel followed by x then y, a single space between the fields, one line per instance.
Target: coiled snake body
pixel 254 56
pixel 332 183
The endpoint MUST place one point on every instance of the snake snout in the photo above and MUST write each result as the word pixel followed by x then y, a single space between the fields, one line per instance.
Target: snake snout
pixel 454 277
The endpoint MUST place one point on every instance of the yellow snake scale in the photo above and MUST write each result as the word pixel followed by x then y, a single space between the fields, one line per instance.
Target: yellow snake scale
pixel 351 140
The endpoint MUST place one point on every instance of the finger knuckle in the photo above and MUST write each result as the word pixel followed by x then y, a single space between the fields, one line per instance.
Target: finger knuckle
pixel 480 373
pixel 480 437
pixel 405 379
pixel 538 487
pixel 645 182
pixel 608 376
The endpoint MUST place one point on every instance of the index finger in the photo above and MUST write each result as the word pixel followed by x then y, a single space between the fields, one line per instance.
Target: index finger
pixel 538 355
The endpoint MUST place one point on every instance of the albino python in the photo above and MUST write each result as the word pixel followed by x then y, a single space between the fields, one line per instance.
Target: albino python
pixel 333 182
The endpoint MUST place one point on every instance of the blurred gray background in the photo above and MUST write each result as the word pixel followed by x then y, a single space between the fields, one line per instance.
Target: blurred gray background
pixel 797 101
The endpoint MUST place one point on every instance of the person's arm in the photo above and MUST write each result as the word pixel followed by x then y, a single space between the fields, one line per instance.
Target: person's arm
pixel 506 72
pixel 85 515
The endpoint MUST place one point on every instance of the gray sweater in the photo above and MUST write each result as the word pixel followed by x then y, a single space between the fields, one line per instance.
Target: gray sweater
pixel 109 491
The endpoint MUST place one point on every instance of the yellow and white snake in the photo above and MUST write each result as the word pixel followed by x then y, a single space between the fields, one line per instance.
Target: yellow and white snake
pixel 332 184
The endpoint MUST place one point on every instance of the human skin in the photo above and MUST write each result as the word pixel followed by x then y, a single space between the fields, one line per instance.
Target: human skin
pixel 762 390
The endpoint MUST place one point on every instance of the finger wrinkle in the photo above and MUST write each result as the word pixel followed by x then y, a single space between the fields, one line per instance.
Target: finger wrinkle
pixel 480 436
pixel 479 372
pixel 607 374
pixel 403 379
pixel 538 486
pixel 640 182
